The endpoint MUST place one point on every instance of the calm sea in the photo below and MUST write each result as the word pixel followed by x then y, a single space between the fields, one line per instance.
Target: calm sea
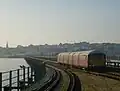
pixel 7 64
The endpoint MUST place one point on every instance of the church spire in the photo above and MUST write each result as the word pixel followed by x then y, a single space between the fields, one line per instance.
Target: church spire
pixel 7 45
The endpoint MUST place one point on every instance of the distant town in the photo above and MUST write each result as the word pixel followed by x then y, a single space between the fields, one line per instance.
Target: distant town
pixel 111 49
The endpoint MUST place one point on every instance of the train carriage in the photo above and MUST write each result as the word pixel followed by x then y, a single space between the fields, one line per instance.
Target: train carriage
pixel 83 60
pixel 71 58
pixel 63 58
pixel 60 58
pixel 66 58
pixel 76 59
pixel 87 59
pixel 96 59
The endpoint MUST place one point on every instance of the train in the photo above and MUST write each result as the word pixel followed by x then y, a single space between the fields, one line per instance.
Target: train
pixel 90 60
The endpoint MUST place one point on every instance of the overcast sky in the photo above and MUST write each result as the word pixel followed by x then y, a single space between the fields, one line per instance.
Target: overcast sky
pixel 24 22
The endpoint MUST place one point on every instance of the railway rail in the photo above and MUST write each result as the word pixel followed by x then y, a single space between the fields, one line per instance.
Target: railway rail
pixel 112 74
pixel 71 86
pixel 51 83
pixel 74 84
pixel 74 81
pixel 108 75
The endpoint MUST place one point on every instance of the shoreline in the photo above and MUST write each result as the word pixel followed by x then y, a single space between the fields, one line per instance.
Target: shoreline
pixel 11 57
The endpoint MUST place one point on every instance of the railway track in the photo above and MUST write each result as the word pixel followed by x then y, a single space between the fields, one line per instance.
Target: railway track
pixel 111 75
pixel 52 83
pixel 74 84
pixel 114 73
pixel 74 81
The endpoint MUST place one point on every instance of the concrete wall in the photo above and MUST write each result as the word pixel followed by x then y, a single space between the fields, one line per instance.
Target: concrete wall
pixel 38 67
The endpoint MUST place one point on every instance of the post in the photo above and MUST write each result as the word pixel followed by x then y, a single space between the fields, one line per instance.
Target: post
pixel 6 88
pixel 115 64
pixel 10 80
pixel 28 75
pixel 0 81
pixel 32 74
pixel 18 79
pixel 24 76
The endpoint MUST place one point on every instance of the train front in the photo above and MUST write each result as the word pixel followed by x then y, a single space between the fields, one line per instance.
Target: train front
pixel 96 61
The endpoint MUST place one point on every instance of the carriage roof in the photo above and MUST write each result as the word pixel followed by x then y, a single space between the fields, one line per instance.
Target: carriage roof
pixel 82 52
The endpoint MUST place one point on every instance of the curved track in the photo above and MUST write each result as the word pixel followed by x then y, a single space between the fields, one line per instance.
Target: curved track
pixel 52 83
pixel 74 81
pixel 74 84
pixel 55 83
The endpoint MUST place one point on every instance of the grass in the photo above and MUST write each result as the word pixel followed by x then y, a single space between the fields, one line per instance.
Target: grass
pixel 97 83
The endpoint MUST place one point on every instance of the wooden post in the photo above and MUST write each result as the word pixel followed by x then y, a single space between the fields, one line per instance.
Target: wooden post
pixel 18 79
pixel 28 75
pixel 0 81
pixel 24 76
pixel 21 85
pixel 31 73
pixel 115 64
pixel 10 80
pixel 6 88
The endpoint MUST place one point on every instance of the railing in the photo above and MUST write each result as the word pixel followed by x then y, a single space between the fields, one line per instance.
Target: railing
pixel 16 79
pixel 113 64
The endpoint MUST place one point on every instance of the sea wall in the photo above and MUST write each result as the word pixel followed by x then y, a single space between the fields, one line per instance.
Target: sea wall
pixel 38 67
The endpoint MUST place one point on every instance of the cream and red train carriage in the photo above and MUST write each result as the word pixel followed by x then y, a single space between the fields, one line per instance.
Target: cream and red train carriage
pixel 85 59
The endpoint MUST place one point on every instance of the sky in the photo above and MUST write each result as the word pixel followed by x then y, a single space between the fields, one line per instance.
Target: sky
pixel 24 22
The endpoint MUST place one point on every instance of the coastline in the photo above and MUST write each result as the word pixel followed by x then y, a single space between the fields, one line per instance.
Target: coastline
pixel 12 57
